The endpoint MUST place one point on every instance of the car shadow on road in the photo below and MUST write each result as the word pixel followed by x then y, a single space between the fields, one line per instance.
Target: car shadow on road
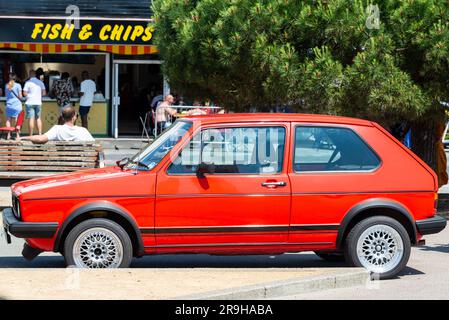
pixel 248 261
pixel 408 271
pixel 443 248
pixel 39 262
pixel 303 260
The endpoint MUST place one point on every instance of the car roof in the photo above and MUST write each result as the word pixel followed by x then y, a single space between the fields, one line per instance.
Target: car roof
pixel 277 117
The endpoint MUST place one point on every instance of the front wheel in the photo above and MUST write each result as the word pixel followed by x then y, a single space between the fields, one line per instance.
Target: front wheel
pixel 379 244
pixel 98 243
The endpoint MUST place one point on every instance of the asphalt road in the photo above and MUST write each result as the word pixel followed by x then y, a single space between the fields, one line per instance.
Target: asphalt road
pixel 426 277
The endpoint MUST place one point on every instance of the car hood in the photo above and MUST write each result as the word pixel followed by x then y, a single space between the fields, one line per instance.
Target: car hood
pixel 103 182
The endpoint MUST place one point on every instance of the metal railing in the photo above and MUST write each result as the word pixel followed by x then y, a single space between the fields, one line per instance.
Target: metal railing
pixel 212 109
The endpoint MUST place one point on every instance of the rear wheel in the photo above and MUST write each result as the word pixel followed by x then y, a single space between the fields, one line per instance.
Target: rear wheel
pixel 98 243
pixel 379 244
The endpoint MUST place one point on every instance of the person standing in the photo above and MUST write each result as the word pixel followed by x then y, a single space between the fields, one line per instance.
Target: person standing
pixel 156 100
pixel 62 90
pixel 441 167
pixel 87 92
pixel 75 86
pixel 163 112
pixel 33 90
pixel 13 92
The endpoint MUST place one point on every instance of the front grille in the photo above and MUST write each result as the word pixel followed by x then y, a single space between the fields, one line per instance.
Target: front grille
pixel 16 206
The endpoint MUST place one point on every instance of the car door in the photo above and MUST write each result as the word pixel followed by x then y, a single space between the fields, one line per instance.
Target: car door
pixel 244 198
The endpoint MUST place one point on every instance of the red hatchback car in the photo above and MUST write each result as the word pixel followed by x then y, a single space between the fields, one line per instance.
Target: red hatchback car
pixel 239 184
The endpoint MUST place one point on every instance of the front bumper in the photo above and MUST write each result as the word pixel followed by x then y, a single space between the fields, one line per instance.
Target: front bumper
pixel 22 229
pixel 431 225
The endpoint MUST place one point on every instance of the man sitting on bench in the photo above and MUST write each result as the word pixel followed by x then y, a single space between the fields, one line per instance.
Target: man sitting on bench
pixel 66 132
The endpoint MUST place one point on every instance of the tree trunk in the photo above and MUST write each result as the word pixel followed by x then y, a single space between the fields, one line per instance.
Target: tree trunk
pixel 424 141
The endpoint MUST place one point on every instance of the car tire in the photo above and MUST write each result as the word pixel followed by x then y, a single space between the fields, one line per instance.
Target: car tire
pixel 98 243
pixel 331 256
pixel 380 244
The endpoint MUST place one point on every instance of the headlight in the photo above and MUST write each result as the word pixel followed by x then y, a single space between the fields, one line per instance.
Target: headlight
pixel 19 214
pixel 16 206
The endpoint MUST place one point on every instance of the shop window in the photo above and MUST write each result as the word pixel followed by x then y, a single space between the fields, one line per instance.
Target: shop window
pixel 50 67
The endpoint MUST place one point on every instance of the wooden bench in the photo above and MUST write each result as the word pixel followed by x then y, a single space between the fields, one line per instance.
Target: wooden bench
pixel 24 160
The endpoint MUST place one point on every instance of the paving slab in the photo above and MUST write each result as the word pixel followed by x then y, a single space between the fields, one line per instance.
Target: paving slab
pixel 172 283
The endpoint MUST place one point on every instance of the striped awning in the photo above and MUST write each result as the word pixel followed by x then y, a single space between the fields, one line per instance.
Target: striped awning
pixel 61 48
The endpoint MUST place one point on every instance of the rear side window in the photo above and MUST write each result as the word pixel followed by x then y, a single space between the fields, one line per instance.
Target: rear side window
pixel 331 149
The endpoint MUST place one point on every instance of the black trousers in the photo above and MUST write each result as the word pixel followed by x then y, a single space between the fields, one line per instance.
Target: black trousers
pixel 160 127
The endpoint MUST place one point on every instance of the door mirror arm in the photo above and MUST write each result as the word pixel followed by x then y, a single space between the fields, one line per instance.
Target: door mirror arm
pixel 204 168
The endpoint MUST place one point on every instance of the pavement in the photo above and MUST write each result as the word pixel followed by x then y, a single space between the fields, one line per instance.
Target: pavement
pixel 117 149
pixel 170 283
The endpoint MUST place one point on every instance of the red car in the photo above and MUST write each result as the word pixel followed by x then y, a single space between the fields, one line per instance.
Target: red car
pixel 239 184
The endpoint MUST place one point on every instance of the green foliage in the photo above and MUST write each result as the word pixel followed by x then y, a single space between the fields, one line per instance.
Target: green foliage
pixel 317 56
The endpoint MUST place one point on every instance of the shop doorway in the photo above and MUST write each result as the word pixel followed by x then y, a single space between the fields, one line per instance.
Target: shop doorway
pixel 135 84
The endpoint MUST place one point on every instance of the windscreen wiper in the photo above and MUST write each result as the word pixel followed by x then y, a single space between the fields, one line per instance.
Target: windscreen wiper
pixel 140 163
pixel 125 161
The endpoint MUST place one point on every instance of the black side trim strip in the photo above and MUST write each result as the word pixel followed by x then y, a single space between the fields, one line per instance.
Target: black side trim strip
pixel 238 244
pixel 360 192
pixel 215 229
pixel 237 229
pixel 22 229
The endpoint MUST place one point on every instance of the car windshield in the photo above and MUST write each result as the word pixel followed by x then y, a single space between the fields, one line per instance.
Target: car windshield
pixel 149 157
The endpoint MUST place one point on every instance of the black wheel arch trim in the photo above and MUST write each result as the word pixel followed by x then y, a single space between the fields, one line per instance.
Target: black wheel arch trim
pixel 100 206
pixel 374 204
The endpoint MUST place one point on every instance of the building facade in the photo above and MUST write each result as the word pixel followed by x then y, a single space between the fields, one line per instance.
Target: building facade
pixel 112 40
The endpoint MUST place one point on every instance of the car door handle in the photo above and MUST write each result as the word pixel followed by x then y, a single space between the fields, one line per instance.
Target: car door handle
pixel 274 184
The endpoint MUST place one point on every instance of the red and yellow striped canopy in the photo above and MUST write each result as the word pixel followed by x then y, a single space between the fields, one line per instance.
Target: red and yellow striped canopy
pixel 61 48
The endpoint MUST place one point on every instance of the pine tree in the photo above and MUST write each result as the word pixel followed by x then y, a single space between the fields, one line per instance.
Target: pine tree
pixel 320 56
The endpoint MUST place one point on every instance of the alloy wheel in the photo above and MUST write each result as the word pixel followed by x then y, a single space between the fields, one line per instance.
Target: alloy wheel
pixel 97 248
pixel 380 248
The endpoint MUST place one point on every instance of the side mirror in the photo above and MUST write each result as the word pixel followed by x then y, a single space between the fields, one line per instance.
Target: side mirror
pixel 122 163
pixel 204 168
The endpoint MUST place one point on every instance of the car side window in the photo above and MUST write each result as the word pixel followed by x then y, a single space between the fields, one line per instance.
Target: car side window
pixel 331 149
pixel 242 150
